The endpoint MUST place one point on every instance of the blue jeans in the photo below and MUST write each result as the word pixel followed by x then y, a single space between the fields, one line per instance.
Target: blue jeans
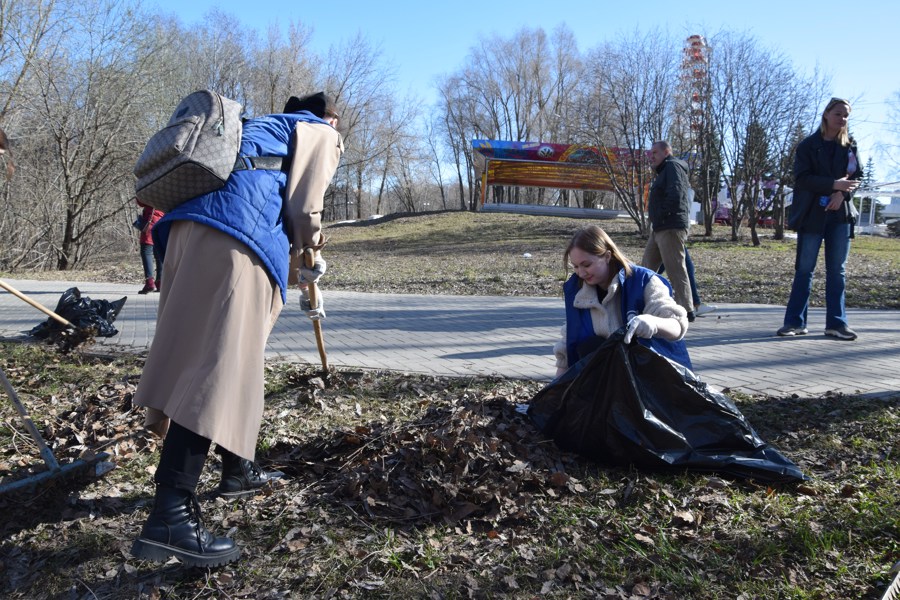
pixel 837 246
pixel 149 260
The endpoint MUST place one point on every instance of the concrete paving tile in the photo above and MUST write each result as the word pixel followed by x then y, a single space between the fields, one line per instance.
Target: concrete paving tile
pixel 735 347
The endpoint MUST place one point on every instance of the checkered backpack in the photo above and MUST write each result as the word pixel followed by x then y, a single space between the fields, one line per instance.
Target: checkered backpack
pixel 193 155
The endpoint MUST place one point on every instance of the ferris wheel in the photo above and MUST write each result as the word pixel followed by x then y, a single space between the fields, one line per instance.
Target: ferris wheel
pixel 695 80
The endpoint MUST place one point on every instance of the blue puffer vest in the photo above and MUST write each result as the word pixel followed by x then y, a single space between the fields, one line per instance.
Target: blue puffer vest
pixel 249 207
pixel 578 320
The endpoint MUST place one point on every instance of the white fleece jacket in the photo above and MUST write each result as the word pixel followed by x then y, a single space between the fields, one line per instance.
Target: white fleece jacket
pixel 606 316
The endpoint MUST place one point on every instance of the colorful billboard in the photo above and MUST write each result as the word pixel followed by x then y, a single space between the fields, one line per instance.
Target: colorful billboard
pixel 563 166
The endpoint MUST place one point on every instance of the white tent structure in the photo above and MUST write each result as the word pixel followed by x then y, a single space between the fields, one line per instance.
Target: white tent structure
pixel 890 212
pixel 723 202
pixel 724 196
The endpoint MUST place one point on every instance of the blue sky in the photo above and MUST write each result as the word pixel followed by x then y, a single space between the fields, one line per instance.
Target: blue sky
pixel 854 42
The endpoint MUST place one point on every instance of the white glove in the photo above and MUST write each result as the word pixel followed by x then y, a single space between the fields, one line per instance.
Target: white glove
pixel 642 326
pixel 312 275
pixel 306 306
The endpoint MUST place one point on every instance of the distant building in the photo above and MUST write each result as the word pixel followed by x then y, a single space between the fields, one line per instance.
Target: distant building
pixel 890 212
pixel 722 203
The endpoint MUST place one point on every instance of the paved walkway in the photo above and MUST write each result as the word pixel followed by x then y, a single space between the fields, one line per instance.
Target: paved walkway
pixel 734 347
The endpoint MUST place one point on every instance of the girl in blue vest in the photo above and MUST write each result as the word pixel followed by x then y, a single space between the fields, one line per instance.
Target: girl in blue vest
pixel 607 292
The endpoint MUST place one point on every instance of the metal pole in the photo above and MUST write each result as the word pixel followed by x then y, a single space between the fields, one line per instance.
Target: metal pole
pixel 46 453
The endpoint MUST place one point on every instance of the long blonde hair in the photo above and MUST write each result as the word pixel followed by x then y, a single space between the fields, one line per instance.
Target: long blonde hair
pixel 593 240
pixel 843 136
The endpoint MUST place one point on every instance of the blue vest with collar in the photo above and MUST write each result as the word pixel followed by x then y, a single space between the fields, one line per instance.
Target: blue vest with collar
pixel 578 320
pixel 249 206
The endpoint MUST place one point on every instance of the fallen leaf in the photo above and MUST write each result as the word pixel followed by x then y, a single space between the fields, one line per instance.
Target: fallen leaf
pixel 641 590
pixel 559 479
pixel 807 490
pixel 716 483
pixel 683 517
pixel 517 467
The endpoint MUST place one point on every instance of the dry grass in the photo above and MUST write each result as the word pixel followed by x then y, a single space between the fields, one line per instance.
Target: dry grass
pixel 485 254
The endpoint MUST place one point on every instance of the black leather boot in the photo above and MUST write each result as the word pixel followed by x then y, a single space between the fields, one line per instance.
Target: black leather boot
pixel 241 477
pixel 175 528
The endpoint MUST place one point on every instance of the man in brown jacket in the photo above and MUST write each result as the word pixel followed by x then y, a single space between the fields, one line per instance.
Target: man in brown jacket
pixel 226 265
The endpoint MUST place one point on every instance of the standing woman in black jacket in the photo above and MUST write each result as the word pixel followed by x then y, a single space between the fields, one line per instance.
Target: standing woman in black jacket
pixel 826 172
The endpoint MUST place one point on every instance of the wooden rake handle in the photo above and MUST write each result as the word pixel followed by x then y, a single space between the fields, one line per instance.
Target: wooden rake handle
pixel 35 304
pixel 309 258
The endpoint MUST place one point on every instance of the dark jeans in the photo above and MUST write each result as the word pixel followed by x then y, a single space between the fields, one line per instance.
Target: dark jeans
pixel 836 238
pixel 150 259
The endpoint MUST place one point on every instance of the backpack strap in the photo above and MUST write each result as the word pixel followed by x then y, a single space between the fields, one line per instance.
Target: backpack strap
pixel 268 163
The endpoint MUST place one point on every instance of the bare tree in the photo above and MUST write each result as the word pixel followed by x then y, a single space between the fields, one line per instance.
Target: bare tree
pixel 516 89
pixel 280 68
pixel 706 170
pixel 891 149
pixel 25 26
pixel 753 168
pixel 456 110
pixel 752 104
pixel 627 102
pixel 219 57
pixel 432 133
pixel 403 185
pixel 355 73
pixel 558 122
pixel 80 116
pixel 398 150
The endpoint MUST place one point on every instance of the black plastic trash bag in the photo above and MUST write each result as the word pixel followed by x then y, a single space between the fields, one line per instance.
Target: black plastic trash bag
pixel 84 313
pixel 625 404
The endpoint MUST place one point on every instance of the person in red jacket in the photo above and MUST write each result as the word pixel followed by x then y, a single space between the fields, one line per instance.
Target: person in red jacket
pixel 149 257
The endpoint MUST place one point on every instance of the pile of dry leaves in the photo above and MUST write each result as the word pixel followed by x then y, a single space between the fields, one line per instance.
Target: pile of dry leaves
pixel 464 459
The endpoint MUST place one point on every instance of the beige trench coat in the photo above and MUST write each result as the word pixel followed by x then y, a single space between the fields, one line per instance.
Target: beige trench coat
pixel 218 305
